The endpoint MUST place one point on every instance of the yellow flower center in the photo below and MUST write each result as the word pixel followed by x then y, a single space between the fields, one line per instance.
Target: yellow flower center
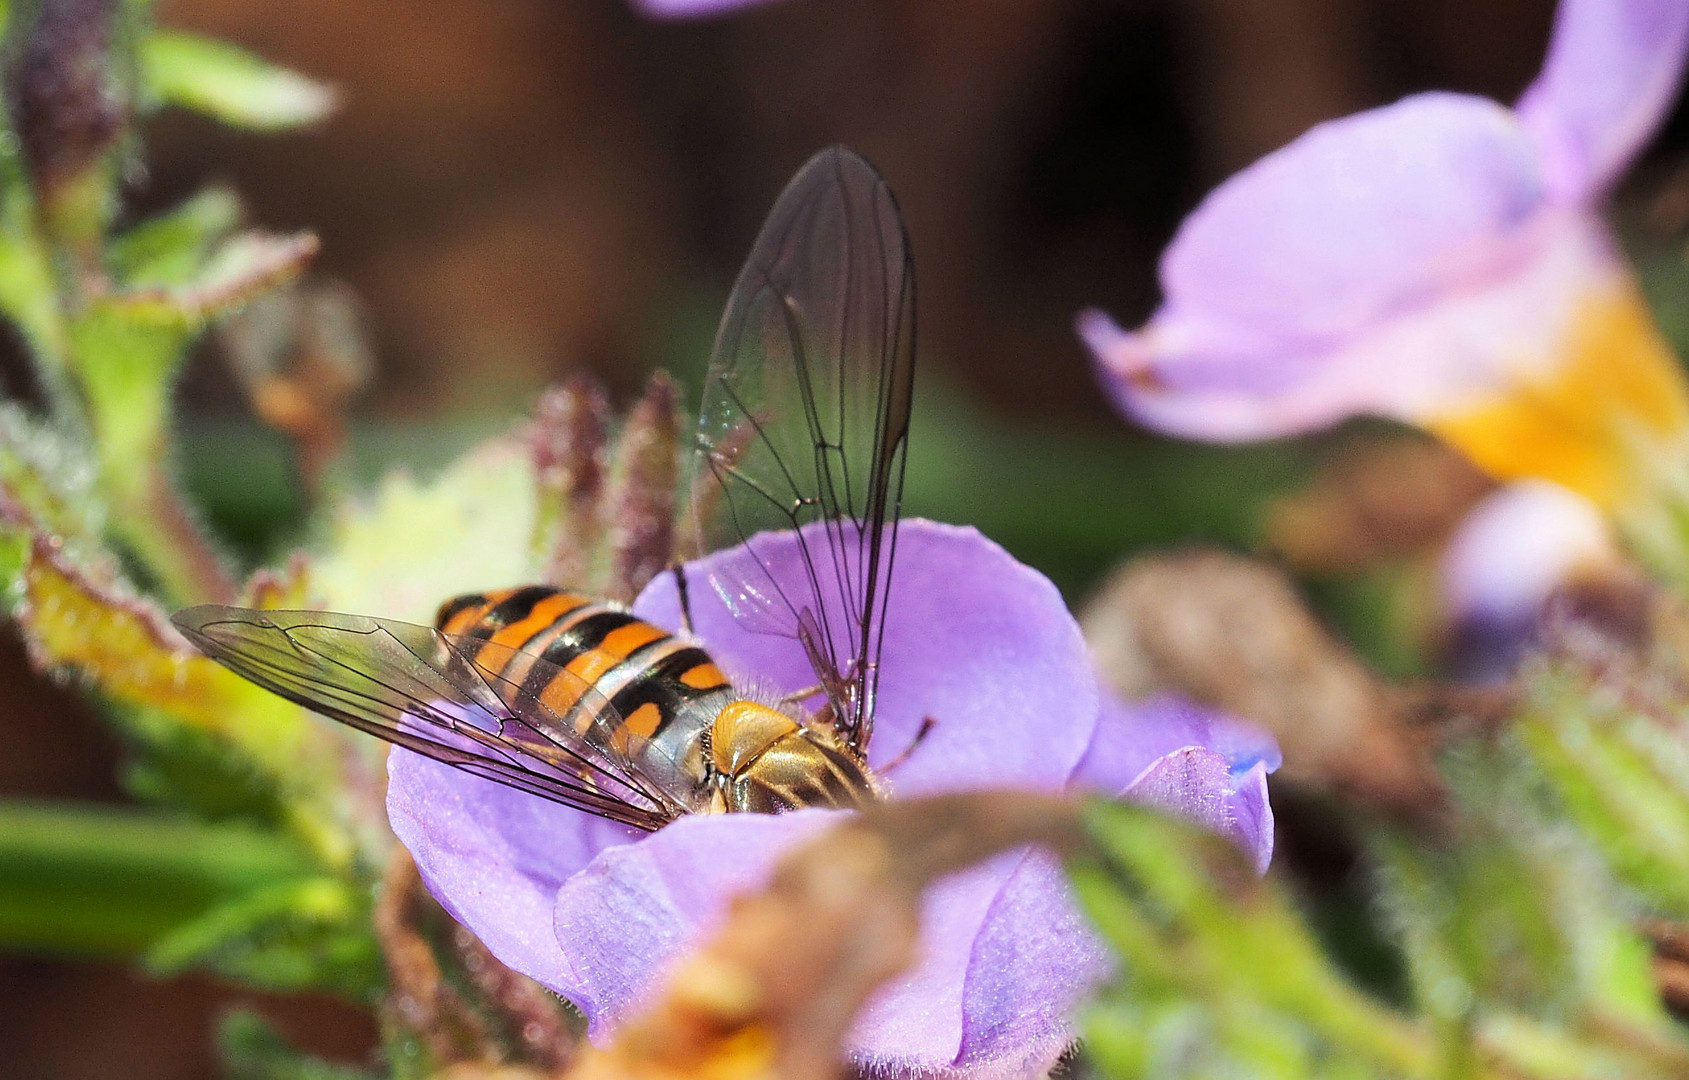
pixel 1600 422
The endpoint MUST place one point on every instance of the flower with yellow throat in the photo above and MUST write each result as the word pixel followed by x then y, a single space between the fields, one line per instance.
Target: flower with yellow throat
pixel 1440 261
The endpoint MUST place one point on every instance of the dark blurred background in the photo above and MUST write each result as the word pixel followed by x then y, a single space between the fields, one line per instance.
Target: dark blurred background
pixel 516 188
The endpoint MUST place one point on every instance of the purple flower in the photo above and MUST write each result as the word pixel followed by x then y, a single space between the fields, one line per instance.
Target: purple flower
pixel 691 9
pixel 1514 549
pixel 1439 261
pixel 975 640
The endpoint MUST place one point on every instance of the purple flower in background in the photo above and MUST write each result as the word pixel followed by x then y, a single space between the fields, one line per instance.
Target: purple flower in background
pixel 1506 559
pixel 974 640
pixel 691 9
pixel 1439 261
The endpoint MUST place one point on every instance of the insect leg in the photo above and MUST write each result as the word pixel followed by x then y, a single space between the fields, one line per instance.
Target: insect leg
pixel 927 724
pixel 799 696
pixel 679 572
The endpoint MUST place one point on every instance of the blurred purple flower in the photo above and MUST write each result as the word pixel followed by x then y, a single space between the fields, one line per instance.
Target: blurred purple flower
pixel 1508 556
pixel 691 9
pixel 1439 261
pixel 977 641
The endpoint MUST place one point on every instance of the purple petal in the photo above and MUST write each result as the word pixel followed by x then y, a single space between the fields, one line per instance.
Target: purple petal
pixel 691 9
pixel 1023 984
pixel 1612 72
pixel 1132 736
pixel 973 639
pixel 1199 763
pixel 621 922
pixel 494 857
pixel 1196 784
pixel 1296 278
pixel 1434 353
pixel 1191 783
pixel 915 1022
pixel 1330 233
pixel 1252 816
pixel 1004 954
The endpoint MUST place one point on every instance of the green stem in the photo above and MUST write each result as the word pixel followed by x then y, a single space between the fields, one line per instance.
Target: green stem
pixel 1521 1046
pixel 160 528
pixel 125 371
pixel 111 880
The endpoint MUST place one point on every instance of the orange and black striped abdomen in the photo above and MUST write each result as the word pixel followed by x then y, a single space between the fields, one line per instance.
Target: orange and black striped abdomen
pixel 653 681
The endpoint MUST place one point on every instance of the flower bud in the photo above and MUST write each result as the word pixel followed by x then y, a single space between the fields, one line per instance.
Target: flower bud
pixel 639 500
pixel 65 104
pixel 567 441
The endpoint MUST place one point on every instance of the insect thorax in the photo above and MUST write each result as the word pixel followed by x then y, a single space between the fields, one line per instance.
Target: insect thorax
pixel 763 761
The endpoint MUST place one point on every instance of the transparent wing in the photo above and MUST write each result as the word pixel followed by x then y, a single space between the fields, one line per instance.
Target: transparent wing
pixel 805 422
pixel 416 688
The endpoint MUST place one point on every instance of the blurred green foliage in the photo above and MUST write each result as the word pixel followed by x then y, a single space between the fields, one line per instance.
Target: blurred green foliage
pixel 230 84
pixel 269 879
pixel 1522 960
pixel 253 1050
pixel 112 881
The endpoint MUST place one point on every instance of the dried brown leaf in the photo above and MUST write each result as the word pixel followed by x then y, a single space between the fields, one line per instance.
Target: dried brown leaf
pixel 420 1001
pixel 769 996
pixel 1671 961
pixel 1231 632
pixel 1375 502
pixel 301 353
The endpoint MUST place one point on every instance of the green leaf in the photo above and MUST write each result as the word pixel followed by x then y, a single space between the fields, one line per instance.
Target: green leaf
pixel 1212 959
pixel 48 481
pixel 313 933
pixel 1520 914
pixel 172 247
pixel 412 545
pixel 194 716
pixel 125 347
pixel 1615 759
pixel 228 83
pixel 245 266
pixel 86 620
pixel 29 288
pixel 110 881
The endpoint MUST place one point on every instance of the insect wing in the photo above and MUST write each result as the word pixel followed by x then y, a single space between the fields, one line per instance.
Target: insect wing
pixel 583 714
pixel 805 420
pixel 417 689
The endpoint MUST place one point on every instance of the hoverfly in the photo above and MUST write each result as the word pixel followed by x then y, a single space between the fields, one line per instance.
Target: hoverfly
pixel 803 427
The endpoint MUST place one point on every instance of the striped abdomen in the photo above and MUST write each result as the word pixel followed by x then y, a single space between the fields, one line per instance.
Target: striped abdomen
pixel 656 695
pixel 658 700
